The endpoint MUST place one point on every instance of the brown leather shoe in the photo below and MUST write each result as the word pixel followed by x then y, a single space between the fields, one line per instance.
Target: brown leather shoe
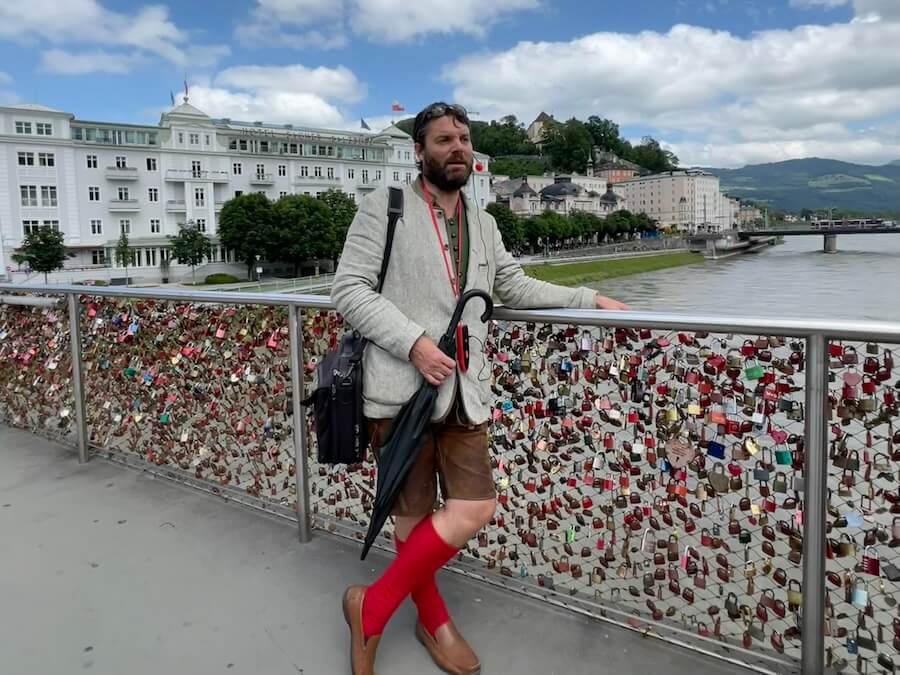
pixel 455 656
pixel 362 651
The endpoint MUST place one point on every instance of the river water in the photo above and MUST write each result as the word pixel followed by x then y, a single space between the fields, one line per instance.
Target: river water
pixel 860 281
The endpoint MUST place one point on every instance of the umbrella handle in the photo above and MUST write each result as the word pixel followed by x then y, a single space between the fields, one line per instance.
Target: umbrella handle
pixel 469 295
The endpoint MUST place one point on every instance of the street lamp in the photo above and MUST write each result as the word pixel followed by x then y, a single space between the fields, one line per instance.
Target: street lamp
pixel 258 268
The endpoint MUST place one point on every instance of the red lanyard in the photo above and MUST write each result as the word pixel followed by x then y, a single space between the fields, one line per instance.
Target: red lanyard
pixel 454 281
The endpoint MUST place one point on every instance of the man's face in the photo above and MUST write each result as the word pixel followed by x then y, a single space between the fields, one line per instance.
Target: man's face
pixel 446 153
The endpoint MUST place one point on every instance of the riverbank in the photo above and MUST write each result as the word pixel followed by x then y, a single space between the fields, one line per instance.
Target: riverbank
pixel 573 274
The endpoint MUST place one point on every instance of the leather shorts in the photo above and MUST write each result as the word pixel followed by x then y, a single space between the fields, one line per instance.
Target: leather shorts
pixel 454 455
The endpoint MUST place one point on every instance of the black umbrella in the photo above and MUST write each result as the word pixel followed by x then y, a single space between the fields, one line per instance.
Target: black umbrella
pixel 401 447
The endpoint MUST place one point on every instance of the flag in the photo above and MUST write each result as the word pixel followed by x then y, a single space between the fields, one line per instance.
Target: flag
pixel 363 125
pixel 396 107
pixel 172 96
pixel 185 87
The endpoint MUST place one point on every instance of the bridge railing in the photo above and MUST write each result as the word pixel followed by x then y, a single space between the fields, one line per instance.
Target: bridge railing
pixel 728 484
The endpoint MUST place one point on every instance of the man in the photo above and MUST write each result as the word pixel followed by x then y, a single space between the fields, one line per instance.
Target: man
pixel 444 245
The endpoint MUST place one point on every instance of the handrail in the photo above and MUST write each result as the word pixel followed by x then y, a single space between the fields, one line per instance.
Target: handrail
pixel 884 331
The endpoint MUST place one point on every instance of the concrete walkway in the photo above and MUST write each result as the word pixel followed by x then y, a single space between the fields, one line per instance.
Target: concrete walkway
pixel 107 571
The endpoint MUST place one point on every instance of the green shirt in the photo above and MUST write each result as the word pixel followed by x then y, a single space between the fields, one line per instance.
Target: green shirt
pixel 457 248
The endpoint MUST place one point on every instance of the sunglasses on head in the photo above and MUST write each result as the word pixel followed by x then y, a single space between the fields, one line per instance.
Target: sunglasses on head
pixel 441 109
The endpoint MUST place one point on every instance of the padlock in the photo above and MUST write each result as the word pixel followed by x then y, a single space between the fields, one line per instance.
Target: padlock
pixel 871 564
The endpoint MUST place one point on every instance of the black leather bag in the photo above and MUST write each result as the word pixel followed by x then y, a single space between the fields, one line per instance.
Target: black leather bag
pixel 337 400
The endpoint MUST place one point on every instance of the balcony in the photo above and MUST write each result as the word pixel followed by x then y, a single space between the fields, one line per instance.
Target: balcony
pixel 262 179
pixel 121 173
pixel 176 206
pixel 369 184
pixel 124 205
pixel 727 457
pixel 181 175
pixel 316 180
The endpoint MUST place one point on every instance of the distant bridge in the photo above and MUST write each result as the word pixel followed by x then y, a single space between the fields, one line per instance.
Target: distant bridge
pixel 829 233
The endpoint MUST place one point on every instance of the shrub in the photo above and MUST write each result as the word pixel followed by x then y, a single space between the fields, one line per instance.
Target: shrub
pixel 221 278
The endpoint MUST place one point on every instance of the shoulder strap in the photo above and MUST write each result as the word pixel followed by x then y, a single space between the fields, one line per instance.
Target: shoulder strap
pixel 394 213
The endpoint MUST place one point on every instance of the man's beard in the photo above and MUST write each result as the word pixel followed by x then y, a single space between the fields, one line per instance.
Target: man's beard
pixel 440 176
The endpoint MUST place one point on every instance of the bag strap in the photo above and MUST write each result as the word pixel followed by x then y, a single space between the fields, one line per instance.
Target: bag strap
pixel 394 213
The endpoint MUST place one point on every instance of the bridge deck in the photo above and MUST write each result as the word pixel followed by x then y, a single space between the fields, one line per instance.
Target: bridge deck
pixel 108 571
pixel 799 232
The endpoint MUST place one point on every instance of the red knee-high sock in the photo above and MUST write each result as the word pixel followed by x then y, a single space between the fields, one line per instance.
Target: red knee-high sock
pixel 429 603
pixel 423 554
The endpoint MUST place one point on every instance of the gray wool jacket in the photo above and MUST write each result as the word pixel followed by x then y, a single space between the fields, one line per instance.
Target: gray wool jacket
pixel 416 299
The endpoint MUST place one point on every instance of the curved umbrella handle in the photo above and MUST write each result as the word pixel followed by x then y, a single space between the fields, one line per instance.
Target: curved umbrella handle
pixel 463 300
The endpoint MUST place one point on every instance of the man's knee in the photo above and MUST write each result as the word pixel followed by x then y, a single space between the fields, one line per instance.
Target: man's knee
pixel 475 513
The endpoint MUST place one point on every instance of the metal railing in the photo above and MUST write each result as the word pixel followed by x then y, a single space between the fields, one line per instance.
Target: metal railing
pixel 606 450
pixel 297 285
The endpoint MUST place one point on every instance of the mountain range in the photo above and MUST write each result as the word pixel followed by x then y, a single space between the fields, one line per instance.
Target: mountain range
pixel 815 183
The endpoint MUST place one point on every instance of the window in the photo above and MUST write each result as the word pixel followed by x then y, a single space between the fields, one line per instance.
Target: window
pixel 282 194
pixel 238 193
pixel 44 129
pixel 92 161
pixel 23 127
pixel 378 175
pixel 46 159
pixel 317 171
pixel 30 226
pixel 149 257
pixel 304 171
pixel 124 226
pixel 237 169
pixel 151 164
pixel 282 170
pixel 48 195
pixel 292 148
pixel 351 173
pixel 264 146
pixel 180 138
pixel 201 224
pixel 51 225
pixel 154 226
pixel 93 194
pixel 97 257
pixel 307 193
pixel 352 196
pixel 396 176
pixel 121 162
pixel 408 178
pixel 331 172
pixel 196 169
pixel 260 170
pixel 26 159
pixel 199 196
pixel 29 195
pixel 153 194
pixel 318 193
pixel 242 145
pixel 124 194
pixel 96 227
pixel 207 139
pixel 365 175
pixel 194 139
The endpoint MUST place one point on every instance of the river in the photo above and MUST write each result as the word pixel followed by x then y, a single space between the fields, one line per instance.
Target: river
pixel 860 281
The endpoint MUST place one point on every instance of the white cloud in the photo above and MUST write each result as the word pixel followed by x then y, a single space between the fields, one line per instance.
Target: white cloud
pixel 62 62
pixel 5 78
pixel 771 94
pixel 82 22
pixel 333 83
pixel 324 24
pixel 807 4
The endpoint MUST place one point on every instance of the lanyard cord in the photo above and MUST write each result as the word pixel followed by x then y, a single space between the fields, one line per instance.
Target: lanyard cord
pixel 454 281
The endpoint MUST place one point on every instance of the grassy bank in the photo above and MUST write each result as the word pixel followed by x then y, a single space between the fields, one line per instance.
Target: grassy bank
pixel 573 274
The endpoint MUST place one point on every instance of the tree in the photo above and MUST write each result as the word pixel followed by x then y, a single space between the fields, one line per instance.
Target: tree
pixel 343 209
pixel 511 230
pixel 304 230
pixel 43 249
pixel 190 246
pixel 124 254
pixel 535 230
pixel 504 137
pixel 605 134
pixel 585 224
pixel 515 166
pixel 246 226
pixel 651 156
pixel 568 145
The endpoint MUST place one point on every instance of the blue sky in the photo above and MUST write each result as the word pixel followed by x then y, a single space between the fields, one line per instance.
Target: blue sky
pixel 721 82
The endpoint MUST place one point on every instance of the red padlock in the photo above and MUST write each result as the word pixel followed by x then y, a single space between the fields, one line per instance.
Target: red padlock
pixel 871 562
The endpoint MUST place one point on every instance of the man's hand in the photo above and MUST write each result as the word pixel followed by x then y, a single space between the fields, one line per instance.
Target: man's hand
pixel 434 364
pixel 602 302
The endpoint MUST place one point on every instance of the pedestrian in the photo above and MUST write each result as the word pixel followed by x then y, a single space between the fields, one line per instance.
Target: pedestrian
pixel 444 244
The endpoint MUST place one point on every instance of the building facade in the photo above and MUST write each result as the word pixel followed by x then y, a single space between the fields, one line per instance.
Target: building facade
pixel 687 200
pixel 532 195
pixel 94 180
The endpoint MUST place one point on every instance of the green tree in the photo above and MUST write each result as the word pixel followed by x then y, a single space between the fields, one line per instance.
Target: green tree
pixel 515 166
pixel 568 145
pixel 605 134
pixel 43 249
pixel 124 254
pixel 343 209
pixel 645 223
pixel 509 224
pixel 506 136
pixel 304 231
pixel 190 246
pixel 535 230
pixel 651 156
pixel 586 224
pixel 246 226
pixel 557 226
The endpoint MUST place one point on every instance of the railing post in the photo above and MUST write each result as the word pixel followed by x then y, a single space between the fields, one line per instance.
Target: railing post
pixel 301 473
pixel 816 439
pixel 77 384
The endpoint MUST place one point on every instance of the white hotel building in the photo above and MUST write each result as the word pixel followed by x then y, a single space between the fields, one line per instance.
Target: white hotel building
pixel 94 180
pixel 687 200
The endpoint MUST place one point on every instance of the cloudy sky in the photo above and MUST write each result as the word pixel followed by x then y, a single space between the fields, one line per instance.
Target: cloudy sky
pixel 720 82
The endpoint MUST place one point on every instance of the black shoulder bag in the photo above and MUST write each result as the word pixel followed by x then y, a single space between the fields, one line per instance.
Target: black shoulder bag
pixel 337 400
